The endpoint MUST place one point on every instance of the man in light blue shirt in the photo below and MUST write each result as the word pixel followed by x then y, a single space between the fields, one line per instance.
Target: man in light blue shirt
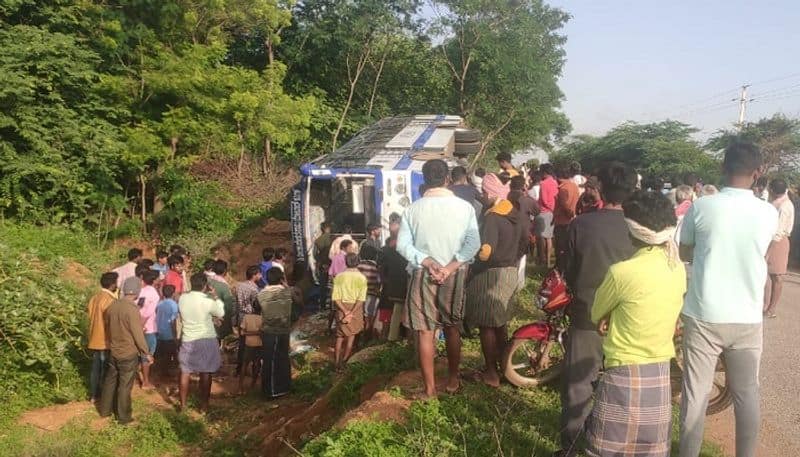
pixel 438 236
pixel 726 236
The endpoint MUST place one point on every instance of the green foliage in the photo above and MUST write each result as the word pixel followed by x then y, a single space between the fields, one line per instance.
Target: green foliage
pixel 512 97
pixel 43 319
pixel 391 359
pixel 778 137
pixel 193 206
pixel 98 100
pixel 58 143
pixel 665 150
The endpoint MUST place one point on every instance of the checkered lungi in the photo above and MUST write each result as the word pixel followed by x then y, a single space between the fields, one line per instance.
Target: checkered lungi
pixel 489 295
pixel 632 415
pixel 430 305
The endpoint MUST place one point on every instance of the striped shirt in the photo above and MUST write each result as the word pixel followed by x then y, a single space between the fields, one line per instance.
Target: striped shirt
pixel 369 269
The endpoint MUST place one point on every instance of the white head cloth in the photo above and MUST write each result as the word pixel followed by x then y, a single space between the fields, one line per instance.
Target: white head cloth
pixel 664 238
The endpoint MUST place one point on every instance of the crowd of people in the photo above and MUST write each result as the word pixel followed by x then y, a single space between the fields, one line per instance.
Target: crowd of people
pixel 640 264
pixel 157 318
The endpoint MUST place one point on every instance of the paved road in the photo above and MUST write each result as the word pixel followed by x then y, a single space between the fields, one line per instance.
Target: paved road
pixel 780 383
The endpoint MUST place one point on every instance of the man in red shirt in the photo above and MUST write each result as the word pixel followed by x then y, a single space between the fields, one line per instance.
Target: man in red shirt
pixel 543 223
pixel 174 276
pixel 564 213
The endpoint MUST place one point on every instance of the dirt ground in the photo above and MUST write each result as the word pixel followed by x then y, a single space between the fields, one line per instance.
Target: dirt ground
pixel 245 252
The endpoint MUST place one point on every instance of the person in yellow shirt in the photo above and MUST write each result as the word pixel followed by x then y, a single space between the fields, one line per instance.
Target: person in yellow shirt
pixel 348 296
pixel 504 162
pixel 98 345
pixel 636 309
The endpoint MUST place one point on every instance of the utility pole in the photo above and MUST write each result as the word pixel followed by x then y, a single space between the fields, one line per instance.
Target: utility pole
pixel 742 105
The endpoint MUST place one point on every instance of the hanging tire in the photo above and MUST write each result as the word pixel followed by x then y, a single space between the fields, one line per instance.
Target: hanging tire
pixel 467 149
pixel 532 363
pixel 467 136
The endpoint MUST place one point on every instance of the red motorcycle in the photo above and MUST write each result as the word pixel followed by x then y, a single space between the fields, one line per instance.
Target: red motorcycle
pixel 535 354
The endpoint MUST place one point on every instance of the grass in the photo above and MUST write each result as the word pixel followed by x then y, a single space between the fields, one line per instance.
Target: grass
pixel 156 433
pixel 479 421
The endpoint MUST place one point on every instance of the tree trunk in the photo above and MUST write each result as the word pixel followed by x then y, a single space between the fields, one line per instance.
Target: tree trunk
pixel 353 78
pixel 378 77
pixel 143 182
pixel 265 164
pixel 241 149
pixel 489 138
pixel 173 147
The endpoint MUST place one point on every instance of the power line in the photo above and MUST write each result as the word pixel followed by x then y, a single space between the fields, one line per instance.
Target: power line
pixel 778 96
pixel 680 109
pixel 780 78
pixel 778 89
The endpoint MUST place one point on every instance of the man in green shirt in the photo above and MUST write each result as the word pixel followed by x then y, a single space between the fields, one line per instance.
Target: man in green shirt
pixel 223 291
pixel 127 346
pixel 276 300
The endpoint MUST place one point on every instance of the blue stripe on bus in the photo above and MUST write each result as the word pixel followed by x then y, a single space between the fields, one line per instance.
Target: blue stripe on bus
pixel 406 161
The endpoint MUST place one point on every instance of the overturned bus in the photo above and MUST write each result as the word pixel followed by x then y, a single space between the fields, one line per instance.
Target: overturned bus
pixel 377 173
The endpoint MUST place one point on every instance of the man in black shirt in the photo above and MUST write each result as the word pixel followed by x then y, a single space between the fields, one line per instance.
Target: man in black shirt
pixel 466 191
pixel 596 241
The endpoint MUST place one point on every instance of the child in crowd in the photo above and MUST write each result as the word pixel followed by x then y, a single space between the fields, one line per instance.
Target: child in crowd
pixel 279 261
pixel 148 301
pixel 395 286
pixel 268 254
pixel 250 329
pixel 305 294
pixel 276 312
pixel 338 265
pixel 369 268
pixel 349 295
pixel 174 276
pixel 161 264
pixel 166 319
pixel 208 268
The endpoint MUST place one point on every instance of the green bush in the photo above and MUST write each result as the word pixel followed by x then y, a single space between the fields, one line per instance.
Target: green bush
pixel 193 206
pixel 41 351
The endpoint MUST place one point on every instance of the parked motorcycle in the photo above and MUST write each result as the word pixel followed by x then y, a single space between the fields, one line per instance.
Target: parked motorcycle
pixel 535 353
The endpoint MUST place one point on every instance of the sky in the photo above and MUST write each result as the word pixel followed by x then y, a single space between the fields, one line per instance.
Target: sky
pixel 649 60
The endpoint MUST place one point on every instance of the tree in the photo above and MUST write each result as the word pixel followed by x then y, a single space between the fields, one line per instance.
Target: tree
pixel 344 50
pixel 663 150
pixel 778 138
pixel 505 59
pixel 58 142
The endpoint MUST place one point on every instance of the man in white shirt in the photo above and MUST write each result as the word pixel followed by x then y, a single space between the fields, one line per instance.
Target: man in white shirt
pixel 726 236
pixel 129 269
pixel 778 252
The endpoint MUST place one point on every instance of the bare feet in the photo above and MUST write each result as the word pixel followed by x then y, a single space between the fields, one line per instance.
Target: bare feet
pixel 423 396
pixel 453 385
pixel 490 379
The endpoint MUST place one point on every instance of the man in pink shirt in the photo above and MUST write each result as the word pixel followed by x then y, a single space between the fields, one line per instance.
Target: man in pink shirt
pixel 543 223
pixel 148 300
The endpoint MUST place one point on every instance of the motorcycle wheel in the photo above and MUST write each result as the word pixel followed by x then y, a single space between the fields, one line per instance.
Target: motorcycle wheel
pixel 720 397
pixel 531 363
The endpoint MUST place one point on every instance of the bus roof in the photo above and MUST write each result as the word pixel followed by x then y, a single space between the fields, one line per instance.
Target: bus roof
pixel 390 143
